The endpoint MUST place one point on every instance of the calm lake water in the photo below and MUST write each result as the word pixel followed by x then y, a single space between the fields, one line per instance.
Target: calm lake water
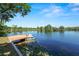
pixel 57 43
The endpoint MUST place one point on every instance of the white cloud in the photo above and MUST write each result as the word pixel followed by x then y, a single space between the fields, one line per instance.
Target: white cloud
pixel 75 9
pixel 48 14
pixel 51 10
pixel 74 6
pixel 54 10
pixel 44 11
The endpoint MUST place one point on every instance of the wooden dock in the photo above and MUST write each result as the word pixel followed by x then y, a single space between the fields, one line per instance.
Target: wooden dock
pixel 19 37
pixel 5 40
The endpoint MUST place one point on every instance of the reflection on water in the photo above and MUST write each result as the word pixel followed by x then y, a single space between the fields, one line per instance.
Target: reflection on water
pixel 61 34
pixel 4 34
pixel 57 43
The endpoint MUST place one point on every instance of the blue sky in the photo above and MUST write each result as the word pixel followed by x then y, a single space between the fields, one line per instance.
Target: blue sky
pixel 56 14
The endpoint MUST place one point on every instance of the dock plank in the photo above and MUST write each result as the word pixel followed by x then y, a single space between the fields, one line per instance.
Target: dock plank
pixel 14 38
pixel 19 37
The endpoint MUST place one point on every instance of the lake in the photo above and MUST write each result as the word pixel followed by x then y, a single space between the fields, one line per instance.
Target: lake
pixel 56 43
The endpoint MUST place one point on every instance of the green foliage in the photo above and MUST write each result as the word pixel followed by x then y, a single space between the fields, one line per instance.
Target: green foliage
pixel 61 28
pixel 55 29
pixel 38 51
pixel 48 28
pixel 9 10
pixel 2 28
pixel 7 50
pixel 31 50
pixel 40 29
pixel 72 28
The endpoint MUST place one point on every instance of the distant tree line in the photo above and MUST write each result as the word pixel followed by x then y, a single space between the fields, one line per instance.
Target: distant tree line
pixel 47 28
pixel 72 28
pixel 14 28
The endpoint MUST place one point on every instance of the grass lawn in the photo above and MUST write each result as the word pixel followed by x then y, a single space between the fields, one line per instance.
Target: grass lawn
pixel 7 50
pixel 4 40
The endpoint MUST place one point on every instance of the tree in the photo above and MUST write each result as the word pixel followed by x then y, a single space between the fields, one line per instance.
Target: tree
pixel 9 10
pixel 61 28
pixel 13 28
pixel 1 27
pixel 48 28
pixel 41 29
pixel 20 29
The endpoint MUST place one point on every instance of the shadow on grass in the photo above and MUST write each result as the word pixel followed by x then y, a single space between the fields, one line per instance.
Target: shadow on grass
pixel 7 50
